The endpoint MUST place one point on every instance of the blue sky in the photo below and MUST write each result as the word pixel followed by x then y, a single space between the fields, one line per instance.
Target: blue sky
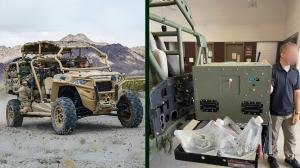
pixel 112 21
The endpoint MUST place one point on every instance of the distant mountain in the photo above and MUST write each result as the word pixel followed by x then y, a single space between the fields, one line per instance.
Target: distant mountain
pixel 123 59
pixel 139 50
pixel 9 53
pixel 81 37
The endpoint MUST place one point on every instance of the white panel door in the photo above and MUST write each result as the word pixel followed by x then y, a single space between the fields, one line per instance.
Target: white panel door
pixel 268 51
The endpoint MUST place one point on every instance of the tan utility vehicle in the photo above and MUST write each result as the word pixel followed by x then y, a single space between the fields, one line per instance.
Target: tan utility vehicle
pixel 56 79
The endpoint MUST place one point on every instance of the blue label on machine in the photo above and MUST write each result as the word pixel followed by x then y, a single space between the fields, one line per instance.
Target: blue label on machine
pixel 253 79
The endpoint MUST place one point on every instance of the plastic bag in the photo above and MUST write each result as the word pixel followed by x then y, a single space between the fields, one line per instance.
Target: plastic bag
pixel 244 143
pixel 224 136
pixel 202 140
pixel 195 141
pixel 232 126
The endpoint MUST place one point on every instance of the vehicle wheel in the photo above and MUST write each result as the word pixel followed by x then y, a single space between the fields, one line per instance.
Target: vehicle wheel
pixel 14 117
pixel 130 110
pixel 63 114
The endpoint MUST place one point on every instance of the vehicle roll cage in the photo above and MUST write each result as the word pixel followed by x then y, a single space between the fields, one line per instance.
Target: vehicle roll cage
pixel 200 40
pixel 57 48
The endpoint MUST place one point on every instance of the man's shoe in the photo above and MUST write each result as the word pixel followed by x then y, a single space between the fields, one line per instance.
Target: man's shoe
pixel 294 163
pixel 273 162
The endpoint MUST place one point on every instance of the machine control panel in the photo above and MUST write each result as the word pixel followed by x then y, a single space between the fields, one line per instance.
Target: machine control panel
pixel 237 90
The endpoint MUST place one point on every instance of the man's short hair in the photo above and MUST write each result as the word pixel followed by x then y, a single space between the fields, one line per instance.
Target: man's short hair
pixel 286 45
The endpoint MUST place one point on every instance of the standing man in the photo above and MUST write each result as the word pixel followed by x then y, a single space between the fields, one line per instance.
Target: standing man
pixel 285 104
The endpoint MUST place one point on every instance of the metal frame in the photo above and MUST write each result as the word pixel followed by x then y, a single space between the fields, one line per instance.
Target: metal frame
pixel 40 56
pixel 200 40
pixel 62 48
pixel 163 140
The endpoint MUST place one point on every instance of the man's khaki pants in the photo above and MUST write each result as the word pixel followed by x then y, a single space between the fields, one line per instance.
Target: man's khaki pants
pixel 288 132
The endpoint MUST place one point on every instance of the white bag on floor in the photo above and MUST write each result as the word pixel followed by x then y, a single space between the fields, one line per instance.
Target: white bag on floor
pixel 202 140
pixel 245 143
pixel 224 136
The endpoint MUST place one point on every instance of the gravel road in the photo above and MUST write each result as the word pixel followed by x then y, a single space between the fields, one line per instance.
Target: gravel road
pixel 97 142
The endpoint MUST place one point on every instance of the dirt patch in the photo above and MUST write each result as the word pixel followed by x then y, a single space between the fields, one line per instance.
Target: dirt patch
pixel 97 142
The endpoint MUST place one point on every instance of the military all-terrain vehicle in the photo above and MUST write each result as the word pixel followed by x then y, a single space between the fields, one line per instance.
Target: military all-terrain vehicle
pixel 57 79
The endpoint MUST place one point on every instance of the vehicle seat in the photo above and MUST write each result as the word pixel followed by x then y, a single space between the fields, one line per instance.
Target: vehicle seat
pixel 172 60
pixel 159 55
pixel 48 85
pixel 24 71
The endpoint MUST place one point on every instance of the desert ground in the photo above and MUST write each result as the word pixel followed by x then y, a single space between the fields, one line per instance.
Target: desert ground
pixel 97 142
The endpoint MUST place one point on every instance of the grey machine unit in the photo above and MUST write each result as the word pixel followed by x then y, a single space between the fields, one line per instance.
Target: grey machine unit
pixel 237 90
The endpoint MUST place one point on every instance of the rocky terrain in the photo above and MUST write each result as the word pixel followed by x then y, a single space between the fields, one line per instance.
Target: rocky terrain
pixel 122 62
pixel 139 50
pixel 97 142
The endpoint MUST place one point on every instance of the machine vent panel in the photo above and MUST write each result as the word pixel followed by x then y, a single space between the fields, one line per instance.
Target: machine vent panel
pixel 252 108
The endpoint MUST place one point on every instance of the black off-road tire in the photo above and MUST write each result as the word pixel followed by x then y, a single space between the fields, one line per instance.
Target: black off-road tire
pixel 130 110
pixel 14 117
pixel 63 115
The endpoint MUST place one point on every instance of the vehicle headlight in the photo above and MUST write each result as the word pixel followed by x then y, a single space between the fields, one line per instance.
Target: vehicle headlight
pixel 80 82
